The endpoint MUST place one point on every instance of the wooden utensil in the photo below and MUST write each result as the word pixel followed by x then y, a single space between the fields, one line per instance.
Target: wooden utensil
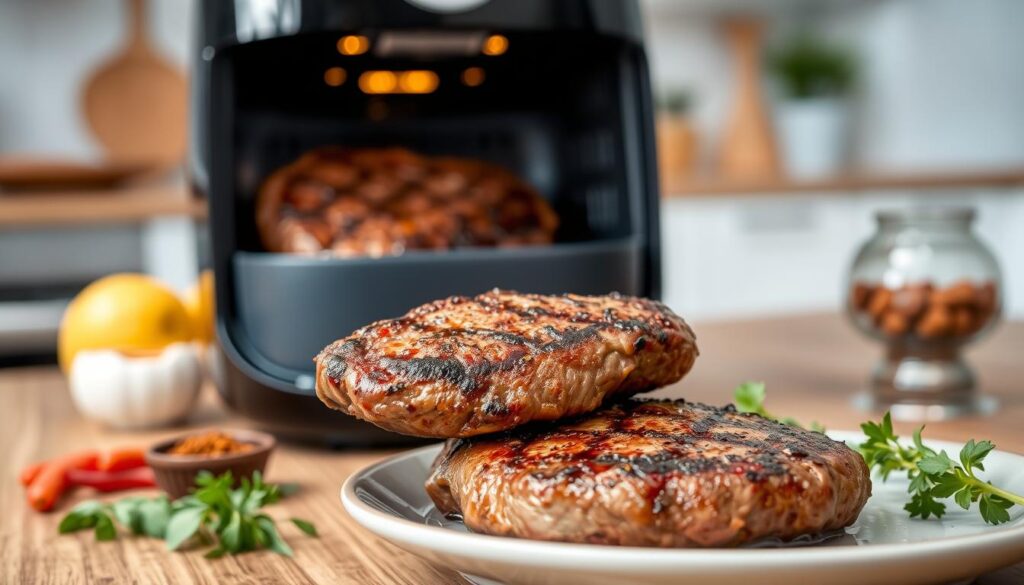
pixel 136 103
pixel 748 150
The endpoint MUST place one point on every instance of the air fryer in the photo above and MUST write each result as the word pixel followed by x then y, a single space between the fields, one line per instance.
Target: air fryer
pixel 556 91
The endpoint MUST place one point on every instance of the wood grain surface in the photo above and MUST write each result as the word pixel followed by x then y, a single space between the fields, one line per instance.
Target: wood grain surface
pixel 812 364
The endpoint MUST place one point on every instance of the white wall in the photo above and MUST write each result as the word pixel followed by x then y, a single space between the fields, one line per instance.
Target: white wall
pixel 945 84
pixel 942 81
pixel 47 50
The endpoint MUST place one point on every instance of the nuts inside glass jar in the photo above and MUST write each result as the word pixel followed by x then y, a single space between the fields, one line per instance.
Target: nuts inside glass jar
pixel 925 310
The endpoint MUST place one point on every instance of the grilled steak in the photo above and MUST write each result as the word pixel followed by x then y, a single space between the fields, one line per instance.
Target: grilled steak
pixel 467 366
pixel 383 201
pixel 652 473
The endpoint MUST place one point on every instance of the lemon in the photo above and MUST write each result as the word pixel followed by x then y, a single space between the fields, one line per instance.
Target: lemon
pixel 132 313
pixel 200 306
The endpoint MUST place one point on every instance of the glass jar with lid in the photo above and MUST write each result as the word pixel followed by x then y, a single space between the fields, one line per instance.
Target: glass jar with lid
pixel 925 286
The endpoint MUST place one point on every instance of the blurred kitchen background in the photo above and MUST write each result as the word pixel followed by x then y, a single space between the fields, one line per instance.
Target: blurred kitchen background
pixel 783 126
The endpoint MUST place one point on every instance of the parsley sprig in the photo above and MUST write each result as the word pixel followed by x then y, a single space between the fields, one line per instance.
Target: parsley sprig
pixel 749 397
pixel 935 475
pixel 215 514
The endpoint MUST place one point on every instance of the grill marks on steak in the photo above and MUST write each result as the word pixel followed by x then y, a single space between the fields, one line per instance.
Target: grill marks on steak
pixel 385 201
pixel 652 473
pixel 467 366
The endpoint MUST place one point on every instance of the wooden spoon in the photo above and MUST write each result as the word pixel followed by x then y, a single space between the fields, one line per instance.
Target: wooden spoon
pixel 137 103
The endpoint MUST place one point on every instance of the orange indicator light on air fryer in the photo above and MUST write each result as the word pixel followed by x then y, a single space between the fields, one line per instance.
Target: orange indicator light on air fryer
pixel 473 76
pixel 335 76
pixel 378 82
pixel 353 45
pixel 413 81
pixel 495 45
pixel 417 81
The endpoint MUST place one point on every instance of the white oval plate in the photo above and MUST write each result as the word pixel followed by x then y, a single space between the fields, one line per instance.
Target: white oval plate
pixel 883 546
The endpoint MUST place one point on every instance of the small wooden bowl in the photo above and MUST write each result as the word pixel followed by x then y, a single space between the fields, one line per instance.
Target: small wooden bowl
pixel 176 474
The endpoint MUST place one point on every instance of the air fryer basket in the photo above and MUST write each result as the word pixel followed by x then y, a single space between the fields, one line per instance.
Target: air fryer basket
pixel 290 307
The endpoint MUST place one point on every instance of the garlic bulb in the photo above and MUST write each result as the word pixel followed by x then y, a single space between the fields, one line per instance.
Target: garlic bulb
pixel 136 391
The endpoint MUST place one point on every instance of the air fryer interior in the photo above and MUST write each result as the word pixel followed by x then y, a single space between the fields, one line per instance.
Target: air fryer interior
pixel 550 109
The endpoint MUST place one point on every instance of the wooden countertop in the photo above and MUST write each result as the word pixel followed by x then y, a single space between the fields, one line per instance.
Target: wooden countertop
pixel 812 365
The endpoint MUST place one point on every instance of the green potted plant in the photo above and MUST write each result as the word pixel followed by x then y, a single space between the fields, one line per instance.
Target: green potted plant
pixel 814 79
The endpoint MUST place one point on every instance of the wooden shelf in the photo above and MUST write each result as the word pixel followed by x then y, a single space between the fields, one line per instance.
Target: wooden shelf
pixel 1006 178
pixel 127 205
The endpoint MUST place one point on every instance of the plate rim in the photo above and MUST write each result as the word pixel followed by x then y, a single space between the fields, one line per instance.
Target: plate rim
pixel 566 555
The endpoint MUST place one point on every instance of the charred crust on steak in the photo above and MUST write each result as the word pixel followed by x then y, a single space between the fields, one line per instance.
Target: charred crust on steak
pixel 450 369
pixel 523 355
pixel 643 471
pixel 335 367
pixel 496 408
pixel 782 441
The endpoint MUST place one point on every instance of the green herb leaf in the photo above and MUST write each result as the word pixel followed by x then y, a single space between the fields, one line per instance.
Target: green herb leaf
pixel 84 515
pixel 923 506
pixel 153 517
pixel 305 526
pixel 70 523
pixel 919 484
pixel 230 537
pixel 946 485
pixel 214 514
pixel 963 498
pixel 75 521
pixel 183 525
pixel 994 509
pixel 935 475
pixel 934 464
pixel 215 491
pixel 105 527
pixel 972 454
pixel 276 543
pixel 749 397
pixel 918 443
pixel 128 513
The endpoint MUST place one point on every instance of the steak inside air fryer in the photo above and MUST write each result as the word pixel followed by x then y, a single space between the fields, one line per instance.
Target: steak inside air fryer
pixel 652 473
pixel 380 202
pixel 466 366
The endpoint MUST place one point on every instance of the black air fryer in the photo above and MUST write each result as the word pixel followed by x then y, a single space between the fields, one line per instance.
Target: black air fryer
pixel 554 90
